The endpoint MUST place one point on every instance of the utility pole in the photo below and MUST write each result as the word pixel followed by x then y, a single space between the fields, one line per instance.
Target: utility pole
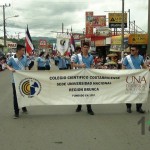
pixel 129 20
pixel 122 33
pixel 71 29
pixel 148 46
pixel 134 26
pixel 4 23
pixel 4 26
pixel 18 35
pixel 62 28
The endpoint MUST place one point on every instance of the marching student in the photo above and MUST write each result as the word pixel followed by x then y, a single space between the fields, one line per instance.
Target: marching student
pixel 17 62
pixel 47 62
pixel 134 61
pixel 31 58
pixel 84 60
pixel 74 55
pixel 62 65
pixel 41 62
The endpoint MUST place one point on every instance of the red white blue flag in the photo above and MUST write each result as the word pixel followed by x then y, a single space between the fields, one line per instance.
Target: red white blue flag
pixel 28 42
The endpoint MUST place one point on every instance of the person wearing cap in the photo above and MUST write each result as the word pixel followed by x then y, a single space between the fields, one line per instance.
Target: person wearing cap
pixel 134 61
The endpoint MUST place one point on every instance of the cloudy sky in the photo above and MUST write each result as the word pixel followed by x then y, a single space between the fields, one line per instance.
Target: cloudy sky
pixel 44 16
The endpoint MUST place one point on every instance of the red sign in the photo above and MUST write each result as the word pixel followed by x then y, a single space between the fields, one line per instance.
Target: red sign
pixel 89 23
pixel 43 43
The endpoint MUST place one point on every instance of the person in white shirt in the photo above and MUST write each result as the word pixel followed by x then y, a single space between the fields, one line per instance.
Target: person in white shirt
pixel 73 57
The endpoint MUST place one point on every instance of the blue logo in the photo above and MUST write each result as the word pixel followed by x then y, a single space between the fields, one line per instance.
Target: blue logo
pixel 30 87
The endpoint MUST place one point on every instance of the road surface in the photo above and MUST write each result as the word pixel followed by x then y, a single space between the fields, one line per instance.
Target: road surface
pixel 61 128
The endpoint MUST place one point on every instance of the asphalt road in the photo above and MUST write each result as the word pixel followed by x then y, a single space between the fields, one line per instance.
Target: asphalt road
pixel 61 128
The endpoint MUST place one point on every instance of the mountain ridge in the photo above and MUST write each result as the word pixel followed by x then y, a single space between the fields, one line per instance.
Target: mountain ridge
pixel 48 39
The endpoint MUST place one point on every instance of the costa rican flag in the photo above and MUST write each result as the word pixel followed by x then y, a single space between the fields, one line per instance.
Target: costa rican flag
pixel 28 42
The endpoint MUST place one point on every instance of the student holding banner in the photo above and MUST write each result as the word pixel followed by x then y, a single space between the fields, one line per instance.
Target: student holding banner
pixel 17 62
pixel 85 60
pixel 134 61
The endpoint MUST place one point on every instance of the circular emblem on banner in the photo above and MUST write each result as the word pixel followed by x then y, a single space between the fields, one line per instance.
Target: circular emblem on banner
pixel 30 87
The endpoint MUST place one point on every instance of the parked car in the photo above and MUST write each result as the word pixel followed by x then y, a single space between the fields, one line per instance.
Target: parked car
pixel 10 54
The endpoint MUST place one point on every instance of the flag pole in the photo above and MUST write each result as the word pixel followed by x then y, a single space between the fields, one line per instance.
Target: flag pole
pixel 25 41
pixel 70 39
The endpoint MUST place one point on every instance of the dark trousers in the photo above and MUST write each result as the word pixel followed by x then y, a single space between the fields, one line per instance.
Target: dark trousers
pixel 68 66
pixel 62 68
pixel 89 108
pixel 41 68
pixel 31 65
pixel 1 67
pixel 47 67
pixel 15 102
pixel 138 106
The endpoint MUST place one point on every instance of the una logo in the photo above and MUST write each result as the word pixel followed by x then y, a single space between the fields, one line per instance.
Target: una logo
pixel 30 87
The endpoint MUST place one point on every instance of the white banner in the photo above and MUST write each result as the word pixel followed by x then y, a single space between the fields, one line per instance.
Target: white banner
pixel 63 42
pixel 85 86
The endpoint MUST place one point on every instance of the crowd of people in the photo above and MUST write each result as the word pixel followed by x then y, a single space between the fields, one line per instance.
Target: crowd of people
pixel 2 63
pixel 80 58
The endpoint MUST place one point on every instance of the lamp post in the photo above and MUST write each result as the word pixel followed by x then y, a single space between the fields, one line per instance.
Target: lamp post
pixel 5 26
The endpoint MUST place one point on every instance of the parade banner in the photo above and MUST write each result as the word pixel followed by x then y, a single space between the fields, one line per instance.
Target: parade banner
pixel 63 42
pixel 83 86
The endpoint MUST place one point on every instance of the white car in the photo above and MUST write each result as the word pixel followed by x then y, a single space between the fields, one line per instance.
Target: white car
pixel 10 54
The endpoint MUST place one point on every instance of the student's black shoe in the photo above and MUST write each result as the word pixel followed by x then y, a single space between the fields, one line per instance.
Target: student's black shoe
pixel 24 110
pixel 16 116
pixel 90 112
pixel 129 110
pixel 140 111
pixel 78 109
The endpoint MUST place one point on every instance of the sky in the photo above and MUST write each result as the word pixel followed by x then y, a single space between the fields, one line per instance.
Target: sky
pixel 45 16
